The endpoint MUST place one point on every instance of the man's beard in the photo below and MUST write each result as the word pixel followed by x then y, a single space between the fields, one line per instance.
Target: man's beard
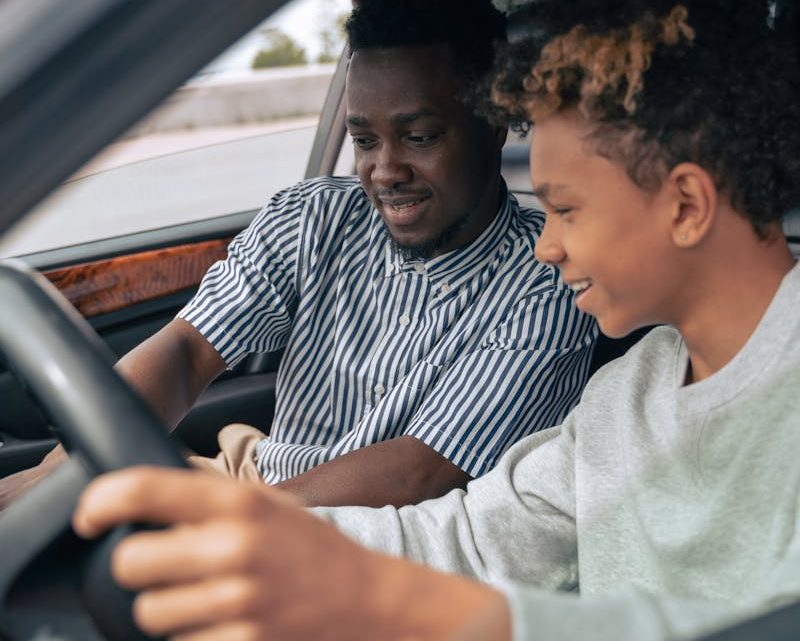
pixel 426 250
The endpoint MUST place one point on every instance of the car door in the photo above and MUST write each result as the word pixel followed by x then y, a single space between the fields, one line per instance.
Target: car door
pixel 130 285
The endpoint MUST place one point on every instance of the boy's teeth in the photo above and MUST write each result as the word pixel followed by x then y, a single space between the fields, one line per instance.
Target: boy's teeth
pixel 580 285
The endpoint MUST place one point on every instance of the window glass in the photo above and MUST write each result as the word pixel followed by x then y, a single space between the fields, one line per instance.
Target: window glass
pixel 238 131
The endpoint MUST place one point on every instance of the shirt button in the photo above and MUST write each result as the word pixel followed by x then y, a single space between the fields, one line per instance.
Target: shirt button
pixel 379 389
pixel 445 288
pixel 419 268
pixel 404 320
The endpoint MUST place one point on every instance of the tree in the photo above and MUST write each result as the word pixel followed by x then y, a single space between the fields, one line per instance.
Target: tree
pixel 331 35
pixel 280 51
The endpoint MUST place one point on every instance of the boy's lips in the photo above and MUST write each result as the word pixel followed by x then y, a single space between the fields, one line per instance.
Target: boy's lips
pixel 580 287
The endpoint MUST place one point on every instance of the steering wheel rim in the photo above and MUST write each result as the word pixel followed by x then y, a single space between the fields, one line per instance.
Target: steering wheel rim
pixel 64 364
pixel 58 355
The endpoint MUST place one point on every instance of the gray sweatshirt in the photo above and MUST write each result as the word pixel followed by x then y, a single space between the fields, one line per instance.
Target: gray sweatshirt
pixel 655 511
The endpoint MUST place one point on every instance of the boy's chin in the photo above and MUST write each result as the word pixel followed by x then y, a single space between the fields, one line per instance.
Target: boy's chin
pixel 616 327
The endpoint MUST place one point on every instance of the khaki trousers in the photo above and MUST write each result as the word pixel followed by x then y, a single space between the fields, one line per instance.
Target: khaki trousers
pixel 237 456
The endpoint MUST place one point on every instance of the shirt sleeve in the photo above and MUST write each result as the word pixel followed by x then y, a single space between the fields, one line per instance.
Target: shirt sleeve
pixel 515 523
pixel 527 375
pixel 246 303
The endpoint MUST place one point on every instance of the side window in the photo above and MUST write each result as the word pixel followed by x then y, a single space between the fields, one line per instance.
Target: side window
pixel 234 134
pixel 516 164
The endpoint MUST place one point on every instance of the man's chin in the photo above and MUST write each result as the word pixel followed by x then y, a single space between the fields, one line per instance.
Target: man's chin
pixel 415 251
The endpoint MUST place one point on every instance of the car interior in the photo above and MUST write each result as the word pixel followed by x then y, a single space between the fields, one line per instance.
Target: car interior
pixel 122 290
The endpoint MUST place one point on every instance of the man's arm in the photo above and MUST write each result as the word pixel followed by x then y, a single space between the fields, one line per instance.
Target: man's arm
pixel 397 472
pixel 169 370
pixel 525 377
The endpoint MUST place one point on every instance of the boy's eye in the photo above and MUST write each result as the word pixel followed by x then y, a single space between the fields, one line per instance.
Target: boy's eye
pixel 562 211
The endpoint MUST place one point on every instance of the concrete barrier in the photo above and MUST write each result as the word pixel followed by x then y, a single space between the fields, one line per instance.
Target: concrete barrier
pixel 250 97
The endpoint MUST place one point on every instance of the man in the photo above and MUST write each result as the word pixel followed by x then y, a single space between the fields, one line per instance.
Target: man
pixel 422 338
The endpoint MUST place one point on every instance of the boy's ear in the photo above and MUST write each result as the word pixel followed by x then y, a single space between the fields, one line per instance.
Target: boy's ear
pixel 695 208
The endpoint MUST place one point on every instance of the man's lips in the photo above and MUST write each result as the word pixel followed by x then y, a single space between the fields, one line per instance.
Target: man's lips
pixel 403 210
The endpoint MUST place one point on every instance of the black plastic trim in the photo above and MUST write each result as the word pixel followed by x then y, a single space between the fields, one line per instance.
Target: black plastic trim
pixel 332 128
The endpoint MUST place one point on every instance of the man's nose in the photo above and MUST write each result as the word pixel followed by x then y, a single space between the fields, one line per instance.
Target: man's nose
pixel 549 248
pixel 390 168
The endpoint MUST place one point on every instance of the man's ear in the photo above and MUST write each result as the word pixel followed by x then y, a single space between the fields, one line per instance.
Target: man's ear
pixel 500 135
pixel 695 204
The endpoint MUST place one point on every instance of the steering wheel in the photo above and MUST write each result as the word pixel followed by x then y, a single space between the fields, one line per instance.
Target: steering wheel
pixel 54 585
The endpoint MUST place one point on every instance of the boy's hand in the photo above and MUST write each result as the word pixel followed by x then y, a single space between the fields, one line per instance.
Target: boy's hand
pixel 244 562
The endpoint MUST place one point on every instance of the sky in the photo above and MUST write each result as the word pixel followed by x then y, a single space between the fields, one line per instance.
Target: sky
pixel 301 19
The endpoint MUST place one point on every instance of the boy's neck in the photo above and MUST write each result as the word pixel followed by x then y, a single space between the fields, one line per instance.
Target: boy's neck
pixel 730 298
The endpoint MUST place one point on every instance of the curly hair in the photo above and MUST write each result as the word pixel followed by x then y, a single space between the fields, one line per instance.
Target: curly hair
pixel 470 28
pixel 703 81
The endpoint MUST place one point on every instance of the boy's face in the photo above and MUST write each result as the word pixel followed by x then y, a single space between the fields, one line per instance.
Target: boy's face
pixel 429 166
pixel 610 239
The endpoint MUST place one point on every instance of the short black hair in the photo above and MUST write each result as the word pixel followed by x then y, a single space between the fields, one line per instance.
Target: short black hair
pixel 718 88
pixel 470 28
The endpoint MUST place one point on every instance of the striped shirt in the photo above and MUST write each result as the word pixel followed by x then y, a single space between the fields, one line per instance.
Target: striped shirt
pixel 467 352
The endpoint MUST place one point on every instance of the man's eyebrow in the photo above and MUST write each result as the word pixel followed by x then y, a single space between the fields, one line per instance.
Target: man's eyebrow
pixel 401 118
pixel 411 117
pixel 357 121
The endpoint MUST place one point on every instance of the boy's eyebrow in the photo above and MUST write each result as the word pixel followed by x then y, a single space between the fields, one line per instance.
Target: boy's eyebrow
pixel 542 191
pixel 401 118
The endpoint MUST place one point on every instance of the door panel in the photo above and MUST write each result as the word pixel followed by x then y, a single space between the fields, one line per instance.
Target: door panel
pixel 129 288
pixel 113 284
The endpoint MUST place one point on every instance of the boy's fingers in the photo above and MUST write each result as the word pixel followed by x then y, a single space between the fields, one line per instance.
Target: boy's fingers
pixel 165 496
pixel 187 553
pixel 194 605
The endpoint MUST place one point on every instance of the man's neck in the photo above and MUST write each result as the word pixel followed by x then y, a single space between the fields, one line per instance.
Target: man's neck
pixel 484 215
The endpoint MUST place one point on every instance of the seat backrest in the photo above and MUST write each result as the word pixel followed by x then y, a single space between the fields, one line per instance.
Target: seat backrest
pixel 791 228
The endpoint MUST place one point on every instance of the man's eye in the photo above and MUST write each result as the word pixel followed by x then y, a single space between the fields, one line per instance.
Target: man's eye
pixel 421 140
pixel 362 142
pixel 562 211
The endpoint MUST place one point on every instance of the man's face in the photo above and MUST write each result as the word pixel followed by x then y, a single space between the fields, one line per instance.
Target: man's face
pixel 610 239
pixel 430 167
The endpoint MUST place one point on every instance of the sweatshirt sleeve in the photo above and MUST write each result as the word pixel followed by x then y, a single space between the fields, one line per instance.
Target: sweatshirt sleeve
pixel 636 614
pixel 515 523
pixel 624 615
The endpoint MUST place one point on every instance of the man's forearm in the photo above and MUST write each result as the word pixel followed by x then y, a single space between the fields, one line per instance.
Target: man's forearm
pixel 14 486
pixel 171 369
pixel 397 472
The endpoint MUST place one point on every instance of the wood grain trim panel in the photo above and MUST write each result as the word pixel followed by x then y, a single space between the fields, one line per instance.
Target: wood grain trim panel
pixel 110 285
